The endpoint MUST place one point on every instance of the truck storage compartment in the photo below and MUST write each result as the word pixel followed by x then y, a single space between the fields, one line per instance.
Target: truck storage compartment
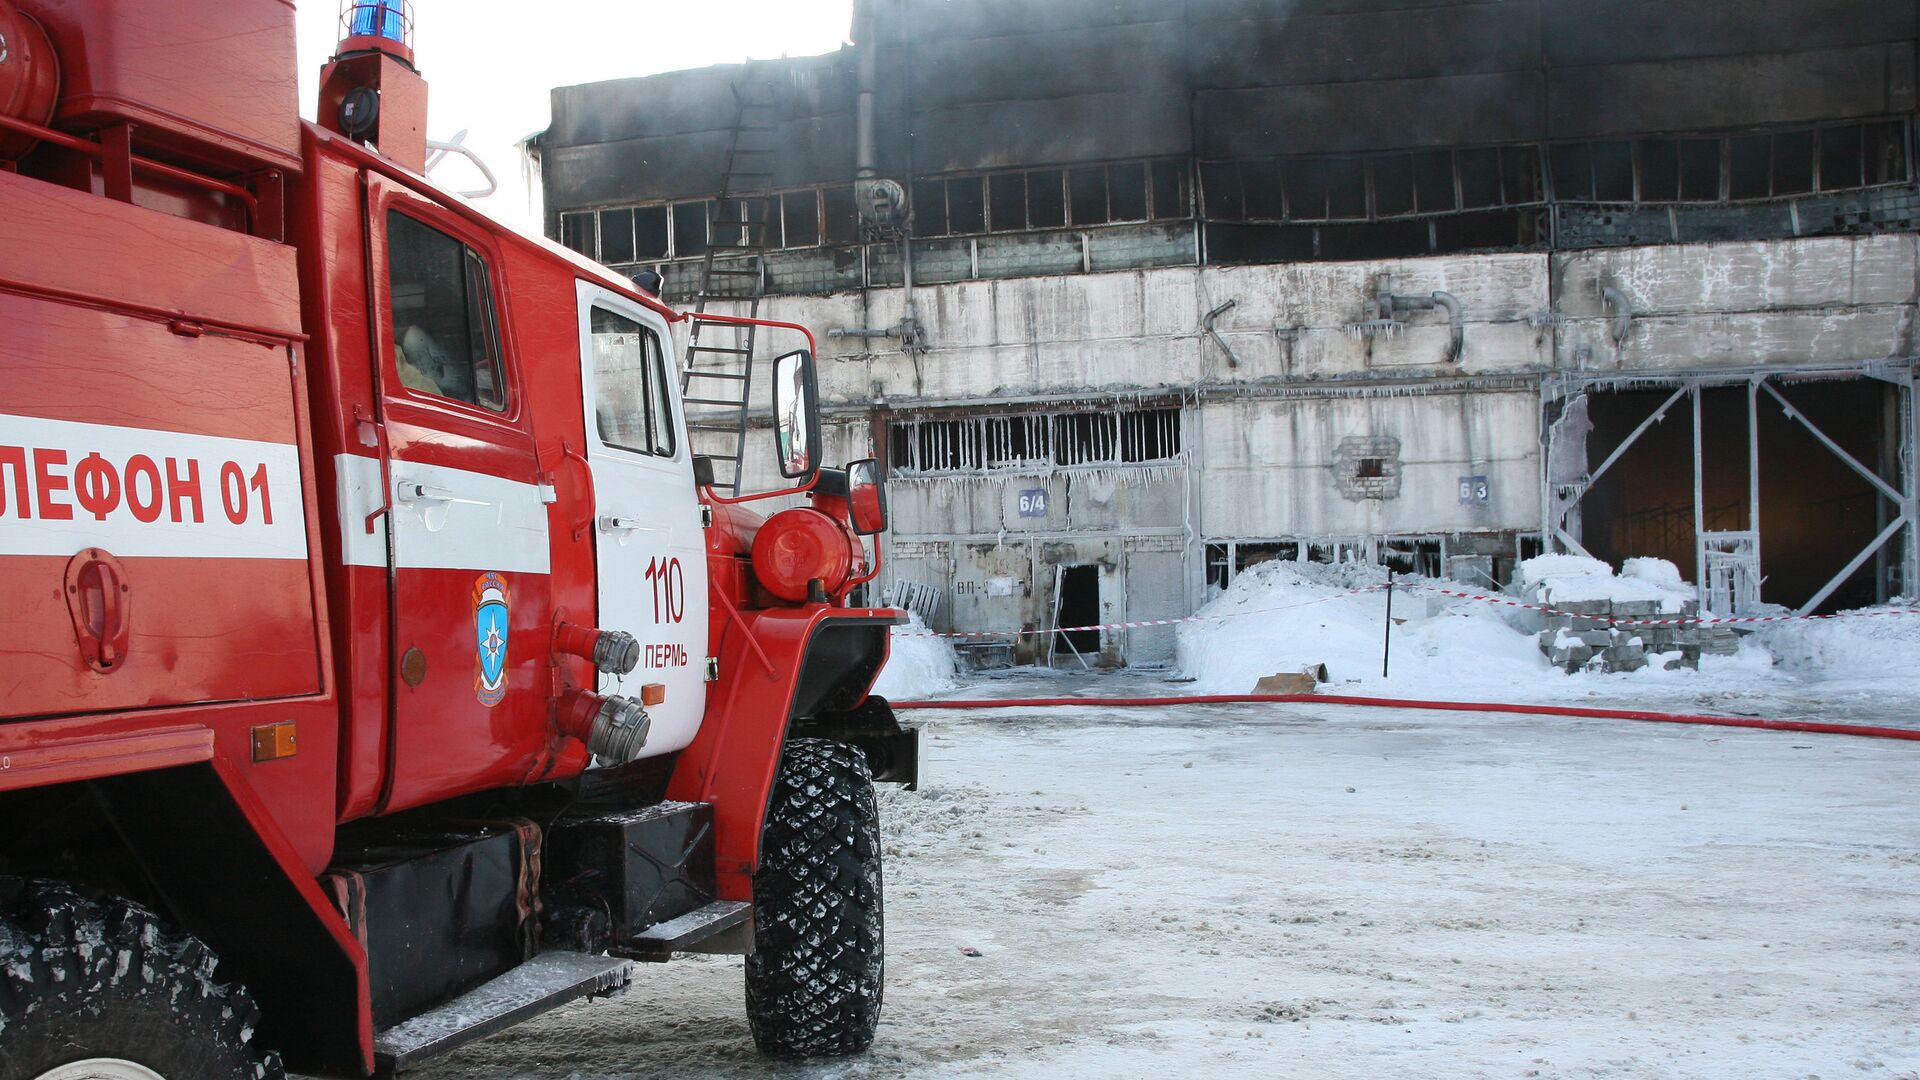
pixel 207 81
pixel 154 545
pixel 612 874
pixel 439 910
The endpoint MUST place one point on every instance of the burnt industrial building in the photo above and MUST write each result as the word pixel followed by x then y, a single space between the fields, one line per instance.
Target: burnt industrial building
pixel 1129 294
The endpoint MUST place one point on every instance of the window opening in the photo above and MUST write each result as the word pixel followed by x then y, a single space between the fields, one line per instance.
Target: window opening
pixel 444 333
pixel 1263 184
pixel 843 221
pixel 1007 199
pixel 1035 441
pixel 967 205
pixel 1172 190
pixel 1393 185
pixel 650 233
pixel 929 208
pixel 800 218
pixel 1432 183
pixel 631 404
pixel 577 232
pixel 1046 199
pixel 1127 192
pixel 690 221
pixel 1089 190
pixel 616 236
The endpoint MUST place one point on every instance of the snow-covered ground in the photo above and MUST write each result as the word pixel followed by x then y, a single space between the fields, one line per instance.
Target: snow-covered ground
pixel 1282 616
pixel 1311 891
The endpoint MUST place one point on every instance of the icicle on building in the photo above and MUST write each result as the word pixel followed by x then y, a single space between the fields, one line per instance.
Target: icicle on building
pixel 1132 294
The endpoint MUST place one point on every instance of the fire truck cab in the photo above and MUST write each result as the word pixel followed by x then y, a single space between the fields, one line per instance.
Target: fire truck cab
pixel 380 665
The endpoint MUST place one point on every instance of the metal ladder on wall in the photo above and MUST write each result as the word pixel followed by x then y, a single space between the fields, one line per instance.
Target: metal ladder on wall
pixel 717 380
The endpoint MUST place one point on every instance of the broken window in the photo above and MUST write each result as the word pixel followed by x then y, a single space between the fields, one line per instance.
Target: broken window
pixel 1264 186
pixel 1613 171
pixel 1393 186
pixel 1660 169
pixel 1793 163
pixel 690 227
pixel 800 218
pixel 1172 190
pixel 1432 183
pixel 1842 161
pixel 1007 202
pixel 842 221
pixel 967 205
pixel 1088 188
pixel 1479 173
pixel 1127 192
pixel 650 234
pixel 1035 441
pixel 1699 170
pixel 1046 199
pixel 929 208
pixel 577 232
pixel 616 236
pixel 1220 190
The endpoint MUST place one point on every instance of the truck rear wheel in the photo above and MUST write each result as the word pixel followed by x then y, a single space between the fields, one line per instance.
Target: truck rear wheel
pixel 95 987
pixel 814 979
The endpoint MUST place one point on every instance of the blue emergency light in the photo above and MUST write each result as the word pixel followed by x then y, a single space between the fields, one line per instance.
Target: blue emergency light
pixel 380 18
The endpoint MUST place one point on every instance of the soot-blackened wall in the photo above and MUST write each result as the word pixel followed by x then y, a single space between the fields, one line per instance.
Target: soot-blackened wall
pixel 979 84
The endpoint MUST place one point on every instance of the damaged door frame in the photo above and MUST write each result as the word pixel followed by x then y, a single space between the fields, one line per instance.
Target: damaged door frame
pixel 1559 502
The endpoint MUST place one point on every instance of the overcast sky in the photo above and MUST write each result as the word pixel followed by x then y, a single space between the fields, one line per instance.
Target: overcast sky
pixel 491 63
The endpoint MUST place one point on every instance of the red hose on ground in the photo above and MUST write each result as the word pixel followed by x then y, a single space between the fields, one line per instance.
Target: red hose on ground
pixel 1912 735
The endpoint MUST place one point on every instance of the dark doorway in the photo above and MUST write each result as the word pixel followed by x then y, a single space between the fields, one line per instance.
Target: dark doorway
pixel 1079 606
pixel 1816 513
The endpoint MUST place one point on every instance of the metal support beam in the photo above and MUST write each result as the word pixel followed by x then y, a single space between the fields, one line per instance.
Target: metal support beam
pixel 1868 474
pixel 1753 480
pixel 1699 506
pixel 1859 560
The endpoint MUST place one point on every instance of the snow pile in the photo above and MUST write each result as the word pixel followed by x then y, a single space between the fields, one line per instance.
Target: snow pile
pixel 1575 579
pixel 1851 647
pixel 918 664
pixel 1285 616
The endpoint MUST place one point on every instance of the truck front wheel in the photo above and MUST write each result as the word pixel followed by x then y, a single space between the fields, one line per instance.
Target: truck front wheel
pixel 814 978
pixel 96 987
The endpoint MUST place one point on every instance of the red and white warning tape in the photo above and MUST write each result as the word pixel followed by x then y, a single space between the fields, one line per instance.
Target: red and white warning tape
pixel 1501 601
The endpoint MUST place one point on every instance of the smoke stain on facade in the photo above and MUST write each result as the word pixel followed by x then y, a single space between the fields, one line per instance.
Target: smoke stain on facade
pixel 1168 289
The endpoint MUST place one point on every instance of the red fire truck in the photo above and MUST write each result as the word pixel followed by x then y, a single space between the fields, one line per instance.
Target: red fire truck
pixel 379 663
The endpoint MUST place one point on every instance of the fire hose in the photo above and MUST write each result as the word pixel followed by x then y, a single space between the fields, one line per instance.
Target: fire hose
pixel 1810 726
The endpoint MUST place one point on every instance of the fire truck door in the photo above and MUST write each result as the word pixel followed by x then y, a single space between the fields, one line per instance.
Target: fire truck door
pixel 649 543
pixel 469 555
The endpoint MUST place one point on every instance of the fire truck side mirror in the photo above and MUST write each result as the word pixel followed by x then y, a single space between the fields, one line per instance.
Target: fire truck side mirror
pixel 796 416
pixel 867 496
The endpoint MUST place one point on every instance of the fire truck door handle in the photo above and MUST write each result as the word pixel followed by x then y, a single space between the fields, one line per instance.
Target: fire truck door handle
pixel 581 526
pixel 622 525
pixel 410 492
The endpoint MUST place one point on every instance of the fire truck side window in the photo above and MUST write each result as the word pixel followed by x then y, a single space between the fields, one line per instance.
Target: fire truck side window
pixel 444 335
pixel 630 386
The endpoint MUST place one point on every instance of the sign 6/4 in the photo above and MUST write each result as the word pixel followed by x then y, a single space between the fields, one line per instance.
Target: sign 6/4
pixel 1033 502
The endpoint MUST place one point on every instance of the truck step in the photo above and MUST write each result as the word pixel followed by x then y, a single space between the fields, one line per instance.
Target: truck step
pixel 661 940
pixel 545 982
